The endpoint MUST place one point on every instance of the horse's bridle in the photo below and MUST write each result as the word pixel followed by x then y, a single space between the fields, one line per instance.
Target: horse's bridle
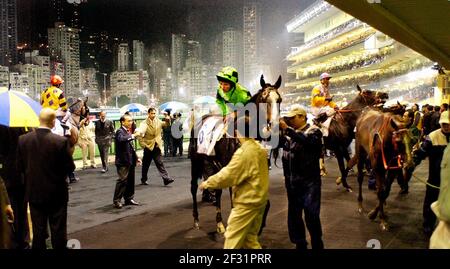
pixel 394 140
pixel 270 89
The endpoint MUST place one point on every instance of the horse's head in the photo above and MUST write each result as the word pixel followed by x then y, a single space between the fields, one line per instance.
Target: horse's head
pixel 268 94
pixel 78 109
pixel 370 98
pixel 396 109
pixel 401 139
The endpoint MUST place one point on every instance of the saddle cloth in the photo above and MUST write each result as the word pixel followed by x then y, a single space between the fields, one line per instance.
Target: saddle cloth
pixel 59 130
pixel 210 132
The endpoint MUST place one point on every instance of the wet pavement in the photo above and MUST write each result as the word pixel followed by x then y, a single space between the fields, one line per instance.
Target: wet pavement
pixel 163 220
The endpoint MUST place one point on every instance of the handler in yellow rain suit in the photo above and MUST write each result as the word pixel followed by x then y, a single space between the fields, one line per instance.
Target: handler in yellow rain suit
pixel 248 175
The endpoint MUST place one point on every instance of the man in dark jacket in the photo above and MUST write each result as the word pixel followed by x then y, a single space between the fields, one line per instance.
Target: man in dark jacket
pixel 104 131
pixel 45 160
pixel 302 145
pixel 426 122
pixel 126 160
pixel 435 116
pixel 177 135
pixel 167 136
pixel 433 147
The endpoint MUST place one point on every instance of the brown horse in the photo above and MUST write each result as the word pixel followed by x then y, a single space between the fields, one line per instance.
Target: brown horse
pixel 203 166
pixel 383 138
pixel 396 109
pixel 341 130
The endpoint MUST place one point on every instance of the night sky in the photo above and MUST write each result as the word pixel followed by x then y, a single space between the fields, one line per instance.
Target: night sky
pixel 154 20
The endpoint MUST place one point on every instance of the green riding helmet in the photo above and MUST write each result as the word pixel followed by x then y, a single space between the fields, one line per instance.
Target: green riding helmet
pixel 228 74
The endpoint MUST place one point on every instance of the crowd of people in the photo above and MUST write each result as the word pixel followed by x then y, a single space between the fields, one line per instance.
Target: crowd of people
pixel 348 63
pixel 43 183
pixel 344 42
pixel 341 29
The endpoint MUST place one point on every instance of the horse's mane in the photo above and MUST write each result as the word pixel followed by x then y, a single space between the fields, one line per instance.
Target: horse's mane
pixel 257 94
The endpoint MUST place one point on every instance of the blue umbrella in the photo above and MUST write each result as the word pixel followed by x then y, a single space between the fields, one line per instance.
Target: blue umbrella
pixel 133 107
pixel 173 106
pixel 205 100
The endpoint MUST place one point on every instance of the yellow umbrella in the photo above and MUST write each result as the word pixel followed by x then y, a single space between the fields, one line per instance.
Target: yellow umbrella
pixel 18 110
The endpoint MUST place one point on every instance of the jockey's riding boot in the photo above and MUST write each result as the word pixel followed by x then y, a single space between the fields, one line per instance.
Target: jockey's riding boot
pixel 321 117
pixel 65 126
pixel 316 123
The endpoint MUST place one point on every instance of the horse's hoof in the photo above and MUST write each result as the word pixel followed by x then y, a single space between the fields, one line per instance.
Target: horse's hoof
pixel 360 210
pixel 372 215
pixel 220 228
pixel 196 225
pixel 384 227
pixel 338 181
pixel 349 189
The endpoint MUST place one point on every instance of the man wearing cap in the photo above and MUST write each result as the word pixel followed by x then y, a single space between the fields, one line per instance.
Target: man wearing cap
pixel 302 146
pixel 230 91
pixel 247 174
pixel 321 102
pixel 432 147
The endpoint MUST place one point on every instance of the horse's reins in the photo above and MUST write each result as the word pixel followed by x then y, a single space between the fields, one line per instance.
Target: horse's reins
pixel 347 110
pixel 383 156
pixel 359 109
pixel 424 182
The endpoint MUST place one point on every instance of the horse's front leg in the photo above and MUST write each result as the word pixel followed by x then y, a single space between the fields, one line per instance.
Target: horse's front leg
pixel 361 163
pixel 382 197
pixel 219 220
pixel 379 175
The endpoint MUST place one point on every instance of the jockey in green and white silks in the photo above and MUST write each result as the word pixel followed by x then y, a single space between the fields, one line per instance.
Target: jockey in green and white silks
pixel 230 91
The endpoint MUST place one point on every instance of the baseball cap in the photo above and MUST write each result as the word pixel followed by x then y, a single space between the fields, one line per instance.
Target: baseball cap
pixel 325 75
pixel 296 110
pixel 444 118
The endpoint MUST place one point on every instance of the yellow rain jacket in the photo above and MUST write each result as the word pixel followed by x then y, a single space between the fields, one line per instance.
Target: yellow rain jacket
pixel 247 174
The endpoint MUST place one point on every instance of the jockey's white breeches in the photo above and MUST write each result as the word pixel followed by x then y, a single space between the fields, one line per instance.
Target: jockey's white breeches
pixel 326 124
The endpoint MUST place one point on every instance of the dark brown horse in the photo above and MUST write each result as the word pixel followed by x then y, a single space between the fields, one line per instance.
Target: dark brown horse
pixel 341 130
pixel 396 109
pixel 203 166
pixel 383 138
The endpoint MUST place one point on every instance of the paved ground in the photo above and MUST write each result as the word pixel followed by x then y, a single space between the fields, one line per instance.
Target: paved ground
pixel 164 218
